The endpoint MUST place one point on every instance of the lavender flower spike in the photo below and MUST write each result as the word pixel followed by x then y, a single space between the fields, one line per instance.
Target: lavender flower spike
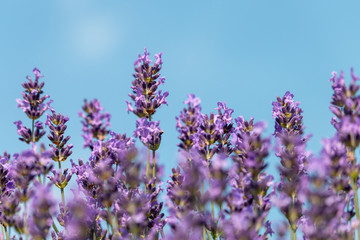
pixel 149 133
pixel 42 206
pixel 95 123
pixel 288 115
pixel 147 80
pixel 33 104
pixel 188 122
pixel 56 123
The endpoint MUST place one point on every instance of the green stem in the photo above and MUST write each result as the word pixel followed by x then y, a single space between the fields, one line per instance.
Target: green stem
pixel 356 202
pixel 204 229
pixel 55 228
pixel 25 221
pixel 148 164
pixel 293 237
pixel 2 231
pixel 32 131
pixel 61 189
pixel 154 166
pixel 6 233
pixel 110 220
pixel 212 210
pixel 208 234
pixel 94 231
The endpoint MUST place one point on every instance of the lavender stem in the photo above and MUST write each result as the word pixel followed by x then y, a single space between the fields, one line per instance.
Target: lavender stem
pixel 26 222
pixel 55 228
pixel 2 231
pixel 6 233
pixel 61 189
pixel 153 170
pixel 356 202
pixel 148 164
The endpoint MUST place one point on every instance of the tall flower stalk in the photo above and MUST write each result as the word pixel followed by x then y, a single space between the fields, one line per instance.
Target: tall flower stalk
pixel 34 106
pixel 346 107
pixel 291 150
pixel 146 96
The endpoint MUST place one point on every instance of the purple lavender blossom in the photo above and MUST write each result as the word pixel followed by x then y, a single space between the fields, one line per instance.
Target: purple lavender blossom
pixel 288 115
pixel 187 123
pixel 95 123
pixel 185 201
pixel 249 198
pixel 293 158
pixel 345 106
pixel 26 134
pixel 147 80
pixel 56 123
pixel 42 209
pixel 149 133
pixel 81 221
pixel 28 165
pixel 224 125
pixel 33 104
pixel 326 217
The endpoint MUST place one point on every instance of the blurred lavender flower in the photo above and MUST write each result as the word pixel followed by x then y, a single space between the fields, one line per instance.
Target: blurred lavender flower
pixel 147 80
pixel 27 166
pixel 81 221
pixel 245 225
pixel 250 151
pixel 185 201
pixel 293 158
pixel 95 123
pixel 249 198
pixel 42 209
pixel 326 217
pixel 187 123
pixel 345 106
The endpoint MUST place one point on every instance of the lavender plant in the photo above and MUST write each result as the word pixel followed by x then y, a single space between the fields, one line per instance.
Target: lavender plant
pixel 220 190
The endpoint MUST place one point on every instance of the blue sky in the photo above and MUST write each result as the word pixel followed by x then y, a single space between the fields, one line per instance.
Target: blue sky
pixel 243 52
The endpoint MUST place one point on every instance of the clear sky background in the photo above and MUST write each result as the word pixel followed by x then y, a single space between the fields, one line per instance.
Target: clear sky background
pixel 243 52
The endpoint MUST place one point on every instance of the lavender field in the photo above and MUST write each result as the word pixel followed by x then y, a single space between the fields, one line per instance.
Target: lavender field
pixel 199 120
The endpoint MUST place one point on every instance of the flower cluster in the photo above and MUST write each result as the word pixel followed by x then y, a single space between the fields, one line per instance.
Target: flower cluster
pixel 221 188
pixel 95 123
pixel 145 85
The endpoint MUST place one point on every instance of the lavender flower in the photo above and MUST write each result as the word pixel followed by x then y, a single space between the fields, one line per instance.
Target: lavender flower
pixel 95 122
pixel 26 134
pixel 33 104
pixel 42 208
pixel 293 159
pixel 187 123
pixel 26 167
pixel 186 203
pixel 206 137
pixel 149 133
pixel 147 80
pixel 249 198
pixel 81 222
pixel 224 126
pixel 56 123
pixel 288 115
pixel 326 217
